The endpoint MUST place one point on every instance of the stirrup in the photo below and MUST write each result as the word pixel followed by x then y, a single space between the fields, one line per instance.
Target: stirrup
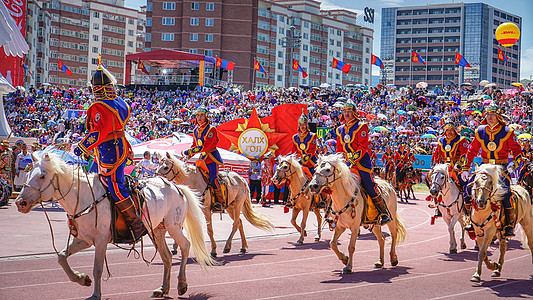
pixel 384 219
pixel 508 231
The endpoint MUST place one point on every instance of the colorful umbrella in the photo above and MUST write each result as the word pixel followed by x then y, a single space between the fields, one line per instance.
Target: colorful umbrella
pixel 511 92
pixel 421 85
pixel 184 110
pixel 401 112
pixel 382 116
pixel 405 131
pixel 375 134
pixel 428 136
pixel 524 136
pixel 487 102
pixel 380 128
pixel 517 84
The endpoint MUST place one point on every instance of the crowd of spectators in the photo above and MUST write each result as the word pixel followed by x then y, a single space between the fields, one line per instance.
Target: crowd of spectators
pixel 52 114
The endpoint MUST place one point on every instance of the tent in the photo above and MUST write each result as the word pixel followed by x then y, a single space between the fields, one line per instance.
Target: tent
pixel 179 142
pixel 5 88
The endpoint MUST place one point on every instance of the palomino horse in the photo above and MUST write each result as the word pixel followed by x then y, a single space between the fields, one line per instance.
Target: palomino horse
pixel 180 172
pixel 451 207
pixel 487 195
pixel 289 169
pixel 347 206
pixel 168 207
pixel 406 180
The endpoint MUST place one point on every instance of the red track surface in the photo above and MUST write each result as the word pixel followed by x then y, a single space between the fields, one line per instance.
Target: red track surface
pixel 274 267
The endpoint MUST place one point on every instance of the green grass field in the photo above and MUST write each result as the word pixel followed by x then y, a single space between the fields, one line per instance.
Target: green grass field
pixel 420 188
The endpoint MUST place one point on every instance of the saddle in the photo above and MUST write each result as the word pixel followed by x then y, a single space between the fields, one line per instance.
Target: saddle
pixel 121 234
pixel 370 212
pixel 200 164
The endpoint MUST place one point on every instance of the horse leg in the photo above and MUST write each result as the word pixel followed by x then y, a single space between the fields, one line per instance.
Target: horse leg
pixel 75 246
pixel 483 243
pixel 100 248
pixel 393 229
pixel 527 231
pixel 376 229
pixel 305 214
pixel 333 243
pixel 451 230
pixel 166 257
pixel 244 243
pixel 462 223
pixel 295 212
pixel 184 244
pixel 236 221
pixel 319 221
pixel 351 249
pixel 209 223
pixel 498 265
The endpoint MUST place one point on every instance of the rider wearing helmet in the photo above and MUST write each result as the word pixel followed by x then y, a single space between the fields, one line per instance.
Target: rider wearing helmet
pixel 451 149
pixel 304 144
pixel 352 139
pixel 106 120
pixel 205 142
pixel 388 161
pixel 496 141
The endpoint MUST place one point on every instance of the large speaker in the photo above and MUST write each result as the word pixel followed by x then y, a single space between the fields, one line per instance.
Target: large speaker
pixel 312 127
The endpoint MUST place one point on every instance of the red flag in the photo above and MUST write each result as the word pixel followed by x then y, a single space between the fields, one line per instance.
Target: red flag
pixel 259 67
pixel 224 64
pixel 297 67
pixel 460 60
pixel 417 58
pixel 502 56
pixel 61 66
pixel 339 65
pixel 141 67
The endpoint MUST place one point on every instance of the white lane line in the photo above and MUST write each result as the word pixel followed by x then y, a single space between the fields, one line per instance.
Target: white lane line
pixel 477 291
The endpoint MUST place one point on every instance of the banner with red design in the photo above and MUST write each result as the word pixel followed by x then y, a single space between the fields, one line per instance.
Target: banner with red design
pixel 278 128
pixel 11 67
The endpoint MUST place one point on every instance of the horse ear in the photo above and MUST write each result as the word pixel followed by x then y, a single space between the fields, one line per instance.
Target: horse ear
pixel 168 155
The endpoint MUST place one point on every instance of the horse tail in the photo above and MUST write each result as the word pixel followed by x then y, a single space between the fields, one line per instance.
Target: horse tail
pixel 402 231
pixel 256 219
pixel 193 225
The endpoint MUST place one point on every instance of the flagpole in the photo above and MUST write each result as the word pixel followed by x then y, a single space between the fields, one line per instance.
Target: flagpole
pixel 410 67
pixel 254 75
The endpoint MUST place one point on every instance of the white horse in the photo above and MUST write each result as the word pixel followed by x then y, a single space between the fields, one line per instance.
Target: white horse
pixel 180 172
pixel 451 207
pixel 487 195
pixel 347 207
pixel 289 169
pixel 167 207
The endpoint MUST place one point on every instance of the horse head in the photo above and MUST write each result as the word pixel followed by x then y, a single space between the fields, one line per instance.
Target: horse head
pixel 485 185
pixel 328 170
pixel 287 167
pixel 39 186
pixel 528 177
pixel 169 167
pixel 437 179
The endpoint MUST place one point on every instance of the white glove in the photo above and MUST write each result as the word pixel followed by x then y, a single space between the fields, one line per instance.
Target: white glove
pixel 464 176
pixel 510 167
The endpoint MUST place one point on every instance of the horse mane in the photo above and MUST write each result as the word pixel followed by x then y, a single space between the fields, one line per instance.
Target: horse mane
pixel 295 164
pixel 349 182
pixel 53 163
pixel 441 168
pixel 495 173
pixel 182 166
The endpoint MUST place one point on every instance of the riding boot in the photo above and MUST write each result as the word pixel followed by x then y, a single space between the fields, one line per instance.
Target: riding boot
pixel 509 222
pixel 134 222
pixel 438 214
pixel 382 209
pixel 217 204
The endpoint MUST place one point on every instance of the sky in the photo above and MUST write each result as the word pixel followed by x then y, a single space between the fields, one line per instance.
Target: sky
pixel 517 7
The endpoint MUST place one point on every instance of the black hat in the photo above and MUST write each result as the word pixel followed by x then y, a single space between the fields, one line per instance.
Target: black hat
pixel 102 77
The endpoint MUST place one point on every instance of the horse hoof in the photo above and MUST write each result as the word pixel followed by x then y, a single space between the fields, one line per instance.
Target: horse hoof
pixel 475 278
pixel 226 250
pixel 86 280
pixel 378 265
pixel 394 261
pixel 495 273
pixel 159 293
pixel 299 243
pixel 453 251
pixel 317 238
pixel 182 287
pixel 243 250
pixel 463 246
pixel 347 271
pixel 213 254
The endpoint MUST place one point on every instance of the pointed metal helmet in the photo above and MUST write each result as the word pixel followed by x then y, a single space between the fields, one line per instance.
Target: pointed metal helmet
pixel 493 107
pixel 349 104
pixel 303 118
pixel 449 123
pixel 202 109
pixel 102 77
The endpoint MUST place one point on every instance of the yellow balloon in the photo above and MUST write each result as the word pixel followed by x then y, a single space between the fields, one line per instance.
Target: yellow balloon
pixel 507 34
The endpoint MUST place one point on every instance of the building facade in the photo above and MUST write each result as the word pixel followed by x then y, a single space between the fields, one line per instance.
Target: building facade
pixel 76 31
pixel 439 31
pixel 241 31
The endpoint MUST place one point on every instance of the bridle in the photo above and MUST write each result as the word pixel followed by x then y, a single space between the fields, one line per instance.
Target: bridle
pixel 334 173
pixel 490 190
pixel 441 186
pixel 285 175
pixel 171 168
pixel 51 183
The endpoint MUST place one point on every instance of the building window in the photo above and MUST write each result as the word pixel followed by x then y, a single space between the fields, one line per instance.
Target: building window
pixel 94 61
pixel 130 43
pixel 166 36
pixel 208 52
pixel 306 24
pixel 193 51
pixel 148 37
pixel 305 47
pixel 209 22
pixel 169 6
pixel 95 49
pixel 209 37
pixel 149 6
pixel 193 37
pixel 148 22
pixel 194 21
pixel 130 32
pixel 168 21
pixel 195 6
pixel 96 14
pixel 210 6
pixel 95 38
pixel 280 78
